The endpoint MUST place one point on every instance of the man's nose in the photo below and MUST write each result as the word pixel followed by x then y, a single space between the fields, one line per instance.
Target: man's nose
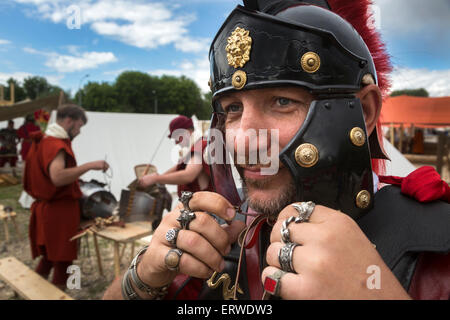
pixel 248 139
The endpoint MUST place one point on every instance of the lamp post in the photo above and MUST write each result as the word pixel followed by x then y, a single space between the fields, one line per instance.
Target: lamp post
pixel 79 86
pixel 156 101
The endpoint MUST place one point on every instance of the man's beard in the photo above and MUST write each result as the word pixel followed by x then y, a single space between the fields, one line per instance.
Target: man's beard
pixel 285 196
pixel 70 134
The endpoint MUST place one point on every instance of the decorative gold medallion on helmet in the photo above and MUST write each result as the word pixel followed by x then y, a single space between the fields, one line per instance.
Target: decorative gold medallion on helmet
pixel 238 47
pixel 306 155
pixel 310 62
pixel 357 136
pixel 363 199
pixel 239 79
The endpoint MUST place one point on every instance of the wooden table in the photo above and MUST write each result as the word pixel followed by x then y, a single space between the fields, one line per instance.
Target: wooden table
pixel 5 216
pixel 130 233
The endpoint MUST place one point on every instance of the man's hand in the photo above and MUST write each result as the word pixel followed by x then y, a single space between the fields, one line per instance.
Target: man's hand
pixel 61 176
pixel 99 165
pixel 332 260
pixel 204 244
pixel 148 180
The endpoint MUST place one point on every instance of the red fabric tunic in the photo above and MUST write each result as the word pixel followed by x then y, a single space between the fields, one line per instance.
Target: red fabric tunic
pixel 194 186
pixel 55 215
pixel 24 133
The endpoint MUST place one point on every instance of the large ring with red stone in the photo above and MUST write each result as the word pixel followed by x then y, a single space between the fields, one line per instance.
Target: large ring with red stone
pixel 285 257
pixel 272 284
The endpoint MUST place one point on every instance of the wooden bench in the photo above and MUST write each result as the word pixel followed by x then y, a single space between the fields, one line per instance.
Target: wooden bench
pixel 27 283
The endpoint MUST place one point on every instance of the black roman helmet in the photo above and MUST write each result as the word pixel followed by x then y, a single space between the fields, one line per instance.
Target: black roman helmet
pixel 303 43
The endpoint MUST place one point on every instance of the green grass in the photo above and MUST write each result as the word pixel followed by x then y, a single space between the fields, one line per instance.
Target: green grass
pixel 9 196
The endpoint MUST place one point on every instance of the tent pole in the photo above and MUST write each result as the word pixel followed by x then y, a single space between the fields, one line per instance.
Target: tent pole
pixel 400 148
pixel 391 130
pixel 411 136
pixel 440 152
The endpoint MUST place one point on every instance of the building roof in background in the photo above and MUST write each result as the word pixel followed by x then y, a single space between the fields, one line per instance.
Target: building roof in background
pixel 419 111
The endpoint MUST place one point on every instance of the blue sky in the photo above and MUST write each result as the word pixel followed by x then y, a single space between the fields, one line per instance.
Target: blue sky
pixel 173 37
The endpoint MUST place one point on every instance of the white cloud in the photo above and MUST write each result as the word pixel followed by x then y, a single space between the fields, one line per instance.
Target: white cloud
pixel 77 61
pixel 436 82
pixel 187 44
pixel 19 76
pixel 137 23
pixel 3 42
pixel 87 60
pixel 197 70
pixel 412 16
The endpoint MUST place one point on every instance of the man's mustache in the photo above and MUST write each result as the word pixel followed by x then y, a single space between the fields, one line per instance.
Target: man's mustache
pixel 255 166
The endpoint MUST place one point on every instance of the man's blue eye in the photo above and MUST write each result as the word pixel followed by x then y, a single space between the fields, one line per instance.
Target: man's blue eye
pixel 233 108
pixel 284 101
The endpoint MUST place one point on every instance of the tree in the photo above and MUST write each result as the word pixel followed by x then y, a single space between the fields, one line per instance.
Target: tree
pixel 139 92
pixel 100 97
pixel 38 87
pixel 134 91
pixel 410 92
pixel 19 92
pixel 206 111
pixel 180 95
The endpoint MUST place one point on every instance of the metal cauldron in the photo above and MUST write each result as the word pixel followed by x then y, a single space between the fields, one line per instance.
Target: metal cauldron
pixel 96 200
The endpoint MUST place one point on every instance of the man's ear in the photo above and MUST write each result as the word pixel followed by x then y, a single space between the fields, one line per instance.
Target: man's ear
pixel 371 101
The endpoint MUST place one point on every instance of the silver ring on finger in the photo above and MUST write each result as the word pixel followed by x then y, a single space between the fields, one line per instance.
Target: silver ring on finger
pixel 171 236
pixel 285 257
pixel 285 235
pixel 305 210
pixel 185 218
pixel 172 259
pixel 186 196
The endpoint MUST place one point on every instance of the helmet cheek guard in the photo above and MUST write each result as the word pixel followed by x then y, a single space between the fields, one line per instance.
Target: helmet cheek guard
pixel 329 157
pixel 329 160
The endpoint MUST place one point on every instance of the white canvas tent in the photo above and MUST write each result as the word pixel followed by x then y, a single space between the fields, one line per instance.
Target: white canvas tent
pixel 124 140
pixel 399 165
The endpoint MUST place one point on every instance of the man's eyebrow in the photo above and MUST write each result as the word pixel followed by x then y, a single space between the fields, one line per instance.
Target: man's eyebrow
pixel 225 95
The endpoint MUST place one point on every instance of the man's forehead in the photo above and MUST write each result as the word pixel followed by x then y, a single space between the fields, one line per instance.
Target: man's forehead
pixel 299 91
